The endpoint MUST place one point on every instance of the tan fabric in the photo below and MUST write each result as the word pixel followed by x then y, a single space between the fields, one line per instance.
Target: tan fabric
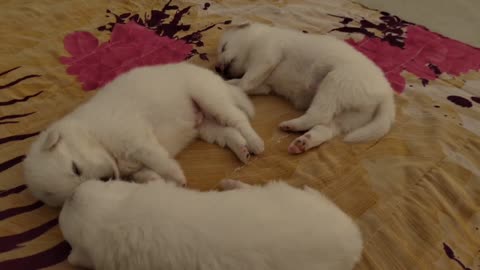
pixel 411 192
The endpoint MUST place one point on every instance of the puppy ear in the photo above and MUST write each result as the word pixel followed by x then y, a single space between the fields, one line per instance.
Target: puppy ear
pixel 243 25
pixel 238 25
pixel 52 139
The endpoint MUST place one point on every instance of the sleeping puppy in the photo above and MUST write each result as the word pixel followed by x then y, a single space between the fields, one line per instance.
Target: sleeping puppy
pixel 341 90
pixel 135 126
pixel 124 226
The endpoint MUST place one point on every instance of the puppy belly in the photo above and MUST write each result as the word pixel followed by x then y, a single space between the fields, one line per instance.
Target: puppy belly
pixel 175 139
pixel 291 85
pixel 179 129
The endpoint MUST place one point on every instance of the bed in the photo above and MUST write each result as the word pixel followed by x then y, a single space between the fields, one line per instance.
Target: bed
pixel 414 193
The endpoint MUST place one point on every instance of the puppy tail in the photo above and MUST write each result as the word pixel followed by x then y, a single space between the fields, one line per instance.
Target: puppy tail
pixel 378 127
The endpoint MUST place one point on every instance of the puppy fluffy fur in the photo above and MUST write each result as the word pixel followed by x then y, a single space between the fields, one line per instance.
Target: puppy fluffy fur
pixel 341 90
pixel 118 225
pixel 144 118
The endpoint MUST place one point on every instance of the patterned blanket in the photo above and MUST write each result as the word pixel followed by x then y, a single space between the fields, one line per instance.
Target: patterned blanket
pixel 415 193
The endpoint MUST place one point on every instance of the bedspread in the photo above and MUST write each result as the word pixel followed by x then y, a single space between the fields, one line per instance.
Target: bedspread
pixel 414 193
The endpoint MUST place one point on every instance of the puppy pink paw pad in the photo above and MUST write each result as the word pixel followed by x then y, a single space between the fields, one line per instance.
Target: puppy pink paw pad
pixel 285 127
pixel 244 154
pixel 229 184
pixel 297 147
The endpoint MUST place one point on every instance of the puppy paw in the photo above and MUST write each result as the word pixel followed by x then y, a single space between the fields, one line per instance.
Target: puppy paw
pixel 292 126
pixel 127 167
pixel 285 127
pixel 299 145
pixel 256 145
pixel 288 126
pixel 229 184
pixel 146 175
pixel 181 182
pixel 243 153
pixel 73 259
pixel 176 175
pixel 79 259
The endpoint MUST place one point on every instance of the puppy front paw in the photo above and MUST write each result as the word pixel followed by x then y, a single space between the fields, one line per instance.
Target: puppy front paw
pixel 146 175
pixel 230 184
pixel 79 259
pixel 235 82
pixel 288 126
pixel 291 126
pixel 73 259
pixel 299 145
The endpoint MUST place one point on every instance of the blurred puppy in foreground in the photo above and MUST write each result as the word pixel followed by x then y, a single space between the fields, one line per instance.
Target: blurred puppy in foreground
pixel 119 225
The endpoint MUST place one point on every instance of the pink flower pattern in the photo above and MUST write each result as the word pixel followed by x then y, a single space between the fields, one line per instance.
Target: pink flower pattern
pixel 426 54
pixel 396 45
pixel 130 46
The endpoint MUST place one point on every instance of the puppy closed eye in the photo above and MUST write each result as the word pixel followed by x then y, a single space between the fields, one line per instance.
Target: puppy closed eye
pixel 224 47
pixel 76 169
pixel 230 63
pixel 48 194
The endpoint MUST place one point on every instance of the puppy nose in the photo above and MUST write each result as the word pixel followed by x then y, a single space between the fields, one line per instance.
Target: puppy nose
pixel 106 178
pixel 219 68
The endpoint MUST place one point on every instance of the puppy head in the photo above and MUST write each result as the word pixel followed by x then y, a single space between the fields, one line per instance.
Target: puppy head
pixel 61 158
pixel 233 50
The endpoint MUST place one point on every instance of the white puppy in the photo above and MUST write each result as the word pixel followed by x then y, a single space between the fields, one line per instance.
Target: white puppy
pixel 342 90
pixel 118 225
pixel 140 120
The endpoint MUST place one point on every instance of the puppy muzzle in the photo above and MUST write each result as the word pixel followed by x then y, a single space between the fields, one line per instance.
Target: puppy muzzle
pixel 224 71
pixel 219 68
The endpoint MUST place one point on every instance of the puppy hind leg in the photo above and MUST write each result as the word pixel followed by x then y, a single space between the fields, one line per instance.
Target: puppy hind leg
pixel 212 132
pixel 216 101
pixel 323 108
pixel 351 120
pixel 314 137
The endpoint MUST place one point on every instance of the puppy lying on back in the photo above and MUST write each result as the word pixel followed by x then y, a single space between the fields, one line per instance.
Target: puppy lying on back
pixel 341 90
pixel 124 226
pixel 144 118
